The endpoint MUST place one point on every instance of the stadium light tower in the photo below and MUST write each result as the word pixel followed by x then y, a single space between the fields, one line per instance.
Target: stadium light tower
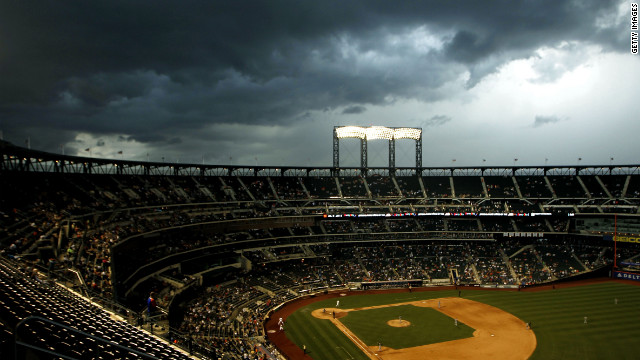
pixel 374 133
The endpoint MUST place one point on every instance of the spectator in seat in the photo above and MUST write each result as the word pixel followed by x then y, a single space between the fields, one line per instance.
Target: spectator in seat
pixel 151 304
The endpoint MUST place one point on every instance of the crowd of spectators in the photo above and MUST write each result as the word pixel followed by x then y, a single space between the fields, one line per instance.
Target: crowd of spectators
pixel 382 187
pixel 211 313
pixel 500 187
pixel 560 260
pixel 437 186
pixel 567 187
pixel 533 187
pixel 490 265
pixel 410 187
pixel 290 188
pixel 468 187
pixel 260 188
pixel 353 187
pixel 530 268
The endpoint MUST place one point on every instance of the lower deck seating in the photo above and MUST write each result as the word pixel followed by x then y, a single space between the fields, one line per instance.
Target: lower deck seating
pixel 44 315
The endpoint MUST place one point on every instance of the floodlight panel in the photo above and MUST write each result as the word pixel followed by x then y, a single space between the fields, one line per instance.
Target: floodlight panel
pixel 379 132
pixel 351 132
pixel 407 133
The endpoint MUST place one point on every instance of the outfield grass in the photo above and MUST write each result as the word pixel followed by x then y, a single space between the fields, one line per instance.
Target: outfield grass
pixel 428 326
pixel 558 315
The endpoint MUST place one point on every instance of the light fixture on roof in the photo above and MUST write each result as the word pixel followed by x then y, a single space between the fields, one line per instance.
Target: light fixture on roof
pixel 378 132
pixel 374 133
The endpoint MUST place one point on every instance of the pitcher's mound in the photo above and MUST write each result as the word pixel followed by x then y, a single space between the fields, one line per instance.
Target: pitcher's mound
pixel 398 323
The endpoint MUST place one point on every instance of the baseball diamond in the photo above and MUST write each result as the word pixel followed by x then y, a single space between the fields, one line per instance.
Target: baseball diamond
pixel 538 323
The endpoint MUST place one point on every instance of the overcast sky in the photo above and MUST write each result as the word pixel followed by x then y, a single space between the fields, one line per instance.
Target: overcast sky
pixel 246 82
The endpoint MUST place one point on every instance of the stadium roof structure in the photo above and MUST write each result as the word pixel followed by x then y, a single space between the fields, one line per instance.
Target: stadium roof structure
pixel 15 158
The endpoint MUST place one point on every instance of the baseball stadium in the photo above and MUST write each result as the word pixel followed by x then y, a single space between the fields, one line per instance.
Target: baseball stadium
pixel 122 259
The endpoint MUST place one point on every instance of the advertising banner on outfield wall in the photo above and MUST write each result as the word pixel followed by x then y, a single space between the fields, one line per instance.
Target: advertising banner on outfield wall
pixel 626 275
pixel 620 238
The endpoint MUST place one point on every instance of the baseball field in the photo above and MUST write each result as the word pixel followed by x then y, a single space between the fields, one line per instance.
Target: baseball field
pixel 587 321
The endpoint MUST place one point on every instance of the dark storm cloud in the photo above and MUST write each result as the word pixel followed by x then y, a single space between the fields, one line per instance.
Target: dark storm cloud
pixel 437 120
pixel 161 72
pixel 355 109
pixel 545 120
